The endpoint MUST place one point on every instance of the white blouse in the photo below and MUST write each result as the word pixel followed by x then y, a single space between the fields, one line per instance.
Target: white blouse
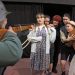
pixel 50 37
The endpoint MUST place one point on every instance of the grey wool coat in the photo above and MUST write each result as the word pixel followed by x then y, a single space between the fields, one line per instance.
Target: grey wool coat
pixel 10 49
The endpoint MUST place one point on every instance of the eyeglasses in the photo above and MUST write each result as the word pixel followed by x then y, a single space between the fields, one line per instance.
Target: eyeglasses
pixel 46 21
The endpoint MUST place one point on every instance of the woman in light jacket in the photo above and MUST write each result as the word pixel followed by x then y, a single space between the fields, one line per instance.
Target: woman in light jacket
pixel 40 37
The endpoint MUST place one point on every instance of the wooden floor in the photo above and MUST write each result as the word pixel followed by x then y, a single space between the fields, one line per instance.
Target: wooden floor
pixel 23 68
pixel 59 67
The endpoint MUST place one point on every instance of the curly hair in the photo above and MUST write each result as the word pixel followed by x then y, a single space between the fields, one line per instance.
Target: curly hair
pixel 57 18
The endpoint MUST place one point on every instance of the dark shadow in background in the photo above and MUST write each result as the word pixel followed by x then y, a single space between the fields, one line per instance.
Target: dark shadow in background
pixel 57 9
pixel 24 14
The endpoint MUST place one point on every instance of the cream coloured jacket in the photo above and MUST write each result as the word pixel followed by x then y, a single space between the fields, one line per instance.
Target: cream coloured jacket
pixel 50 38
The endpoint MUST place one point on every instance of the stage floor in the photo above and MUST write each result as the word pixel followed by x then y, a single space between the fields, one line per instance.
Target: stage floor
pixel 23 67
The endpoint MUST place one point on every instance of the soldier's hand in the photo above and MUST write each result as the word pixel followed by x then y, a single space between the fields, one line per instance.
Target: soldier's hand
pixel 11 30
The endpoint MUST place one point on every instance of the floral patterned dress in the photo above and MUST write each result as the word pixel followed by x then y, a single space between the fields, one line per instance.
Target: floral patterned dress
pixel 40 60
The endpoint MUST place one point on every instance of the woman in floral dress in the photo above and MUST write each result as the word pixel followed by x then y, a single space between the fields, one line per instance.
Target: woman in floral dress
pixel 40 37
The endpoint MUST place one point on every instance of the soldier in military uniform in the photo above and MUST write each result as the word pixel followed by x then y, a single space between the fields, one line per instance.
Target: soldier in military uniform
pixel 10 45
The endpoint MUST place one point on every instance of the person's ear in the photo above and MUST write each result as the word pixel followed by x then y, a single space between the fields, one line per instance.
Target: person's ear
pixel 5 21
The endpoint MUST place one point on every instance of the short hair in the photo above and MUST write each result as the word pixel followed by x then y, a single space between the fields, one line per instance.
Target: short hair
pixel 57 18
pixel 67 15
pixel 40 14
pixel 47 16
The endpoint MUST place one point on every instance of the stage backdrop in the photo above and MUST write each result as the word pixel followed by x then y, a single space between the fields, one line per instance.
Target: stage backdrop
pixel 69 2
pixel 23 14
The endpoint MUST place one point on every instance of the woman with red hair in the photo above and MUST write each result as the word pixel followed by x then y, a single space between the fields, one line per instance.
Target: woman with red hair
pixel 57 20
pixel 57 24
